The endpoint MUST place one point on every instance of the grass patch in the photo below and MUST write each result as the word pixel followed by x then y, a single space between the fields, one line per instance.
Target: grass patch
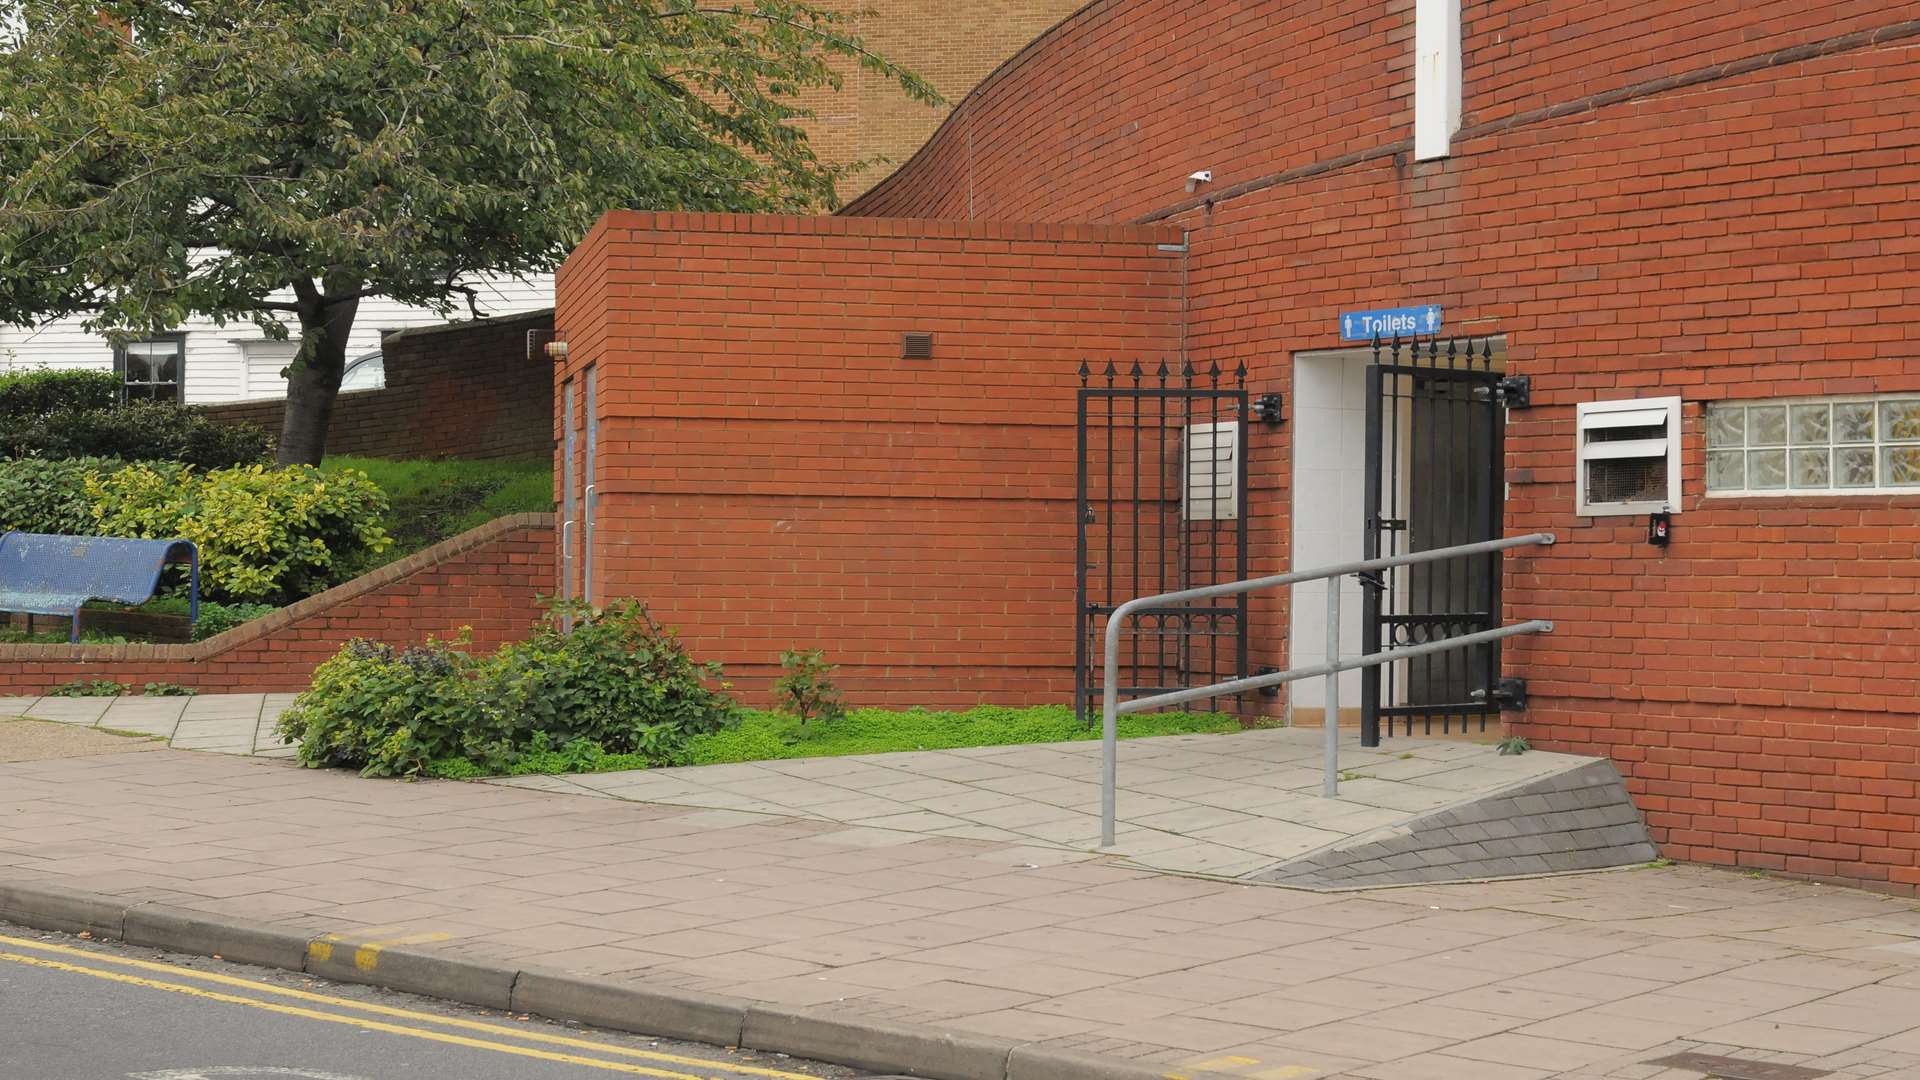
pixel 773 736
pixel 434 500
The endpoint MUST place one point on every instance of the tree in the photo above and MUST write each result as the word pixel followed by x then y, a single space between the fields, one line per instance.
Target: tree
pixel 276 161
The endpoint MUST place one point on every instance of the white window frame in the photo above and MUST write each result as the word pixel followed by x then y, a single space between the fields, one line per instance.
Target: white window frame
pixel 1634 412
pixel 1831 490
pixel 179 381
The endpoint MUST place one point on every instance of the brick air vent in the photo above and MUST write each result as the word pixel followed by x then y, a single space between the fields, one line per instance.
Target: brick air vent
pixel 918 345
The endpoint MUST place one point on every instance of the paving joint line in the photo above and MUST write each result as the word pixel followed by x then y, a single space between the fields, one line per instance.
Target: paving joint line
pixel 880 1046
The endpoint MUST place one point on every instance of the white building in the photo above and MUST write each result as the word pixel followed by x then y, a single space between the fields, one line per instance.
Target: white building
pixel 201 362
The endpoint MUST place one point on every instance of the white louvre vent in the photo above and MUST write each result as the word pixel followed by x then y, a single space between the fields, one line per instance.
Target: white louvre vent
pixel 1628 453
pixel 1212 490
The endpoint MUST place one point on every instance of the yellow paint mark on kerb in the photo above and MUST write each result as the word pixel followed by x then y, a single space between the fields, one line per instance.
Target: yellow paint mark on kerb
pixel 354 1021
pixel 1231 1061
pixel 366 954
pixel 404 1014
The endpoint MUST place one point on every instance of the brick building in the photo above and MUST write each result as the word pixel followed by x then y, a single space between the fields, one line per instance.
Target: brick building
pixel 1692 229
pixel 953 46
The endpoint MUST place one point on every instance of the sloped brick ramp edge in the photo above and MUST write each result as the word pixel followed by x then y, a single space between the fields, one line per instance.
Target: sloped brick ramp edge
pixel 876 1046
pixel 1578 819
pixel 488 578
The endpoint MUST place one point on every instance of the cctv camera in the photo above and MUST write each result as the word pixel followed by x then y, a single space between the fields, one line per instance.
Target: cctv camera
pixel 1194 180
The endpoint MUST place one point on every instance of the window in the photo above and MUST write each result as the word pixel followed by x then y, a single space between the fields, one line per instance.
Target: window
pixel 151 370
pixel 1830 446
pixel 1628 456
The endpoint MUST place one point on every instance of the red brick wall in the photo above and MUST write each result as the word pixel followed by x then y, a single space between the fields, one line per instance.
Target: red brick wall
pixel 774 475
pixel 1104 117
pixel 460 391
pixel 488 579
pixel 1715 200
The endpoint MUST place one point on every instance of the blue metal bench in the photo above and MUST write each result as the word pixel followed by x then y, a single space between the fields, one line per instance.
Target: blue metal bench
pixel 41 574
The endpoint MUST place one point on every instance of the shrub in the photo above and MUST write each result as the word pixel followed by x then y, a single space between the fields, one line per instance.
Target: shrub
pixel 48 390
pixel 389 711
pixel 265 534
pixel 215 617
pixel 806 690
pixel 140 431
pixel 50 496
pixel 616 685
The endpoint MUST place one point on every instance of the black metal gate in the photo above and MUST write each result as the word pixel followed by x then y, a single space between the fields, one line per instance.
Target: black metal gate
pixel 1436 420
pixel 1161 499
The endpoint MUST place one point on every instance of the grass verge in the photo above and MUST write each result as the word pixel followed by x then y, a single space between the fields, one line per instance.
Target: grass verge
pixel 772 736
pixel 434 500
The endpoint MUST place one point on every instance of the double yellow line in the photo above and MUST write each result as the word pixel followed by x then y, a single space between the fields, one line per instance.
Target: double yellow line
pixel 29 947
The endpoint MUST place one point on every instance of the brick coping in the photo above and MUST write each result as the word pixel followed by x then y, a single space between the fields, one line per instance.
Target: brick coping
pixel 253 630
pixel 918 229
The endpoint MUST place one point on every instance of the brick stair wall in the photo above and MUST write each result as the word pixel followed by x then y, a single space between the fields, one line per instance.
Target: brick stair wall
pixel 489 578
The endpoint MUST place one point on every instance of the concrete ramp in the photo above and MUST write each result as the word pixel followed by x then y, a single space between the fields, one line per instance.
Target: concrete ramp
pixel 1576 819
pixel 1245 806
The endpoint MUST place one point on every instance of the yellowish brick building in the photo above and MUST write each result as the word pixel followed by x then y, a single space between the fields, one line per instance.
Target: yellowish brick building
pixel 952 43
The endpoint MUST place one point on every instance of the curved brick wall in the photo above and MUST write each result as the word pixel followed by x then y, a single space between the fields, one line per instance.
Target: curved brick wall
pixel 1102 118
pixel 488 578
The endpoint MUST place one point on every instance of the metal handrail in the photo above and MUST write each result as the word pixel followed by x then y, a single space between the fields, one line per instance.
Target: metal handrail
pixel 1113 707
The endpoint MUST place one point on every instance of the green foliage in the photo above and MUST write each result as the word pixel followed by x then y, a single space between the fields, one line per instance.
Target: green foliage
pixel 431 501
pixel 768 736
pixel 250 162
pixel 215 618
pixel 89 688
pixel 264 533
pixel 138 431
pixel 50 496
pixel 806 690
pixel 618 684
pixel 48 390
pixel 169 689
pixel 1513 745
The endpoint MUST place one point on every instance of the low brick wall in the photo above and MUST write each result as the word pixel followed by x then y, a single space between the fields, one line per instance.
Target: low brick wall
pixel 489 578
pixel 463 391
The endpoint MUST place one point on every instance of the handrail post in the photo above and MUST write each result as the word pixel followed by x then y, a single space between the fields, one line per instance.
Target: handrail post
pixel 1110 722
pixel 1330 716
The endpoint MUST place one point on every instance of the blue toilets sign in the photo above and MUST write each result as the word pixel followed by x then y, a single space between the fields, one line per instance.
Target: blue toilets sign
pixel 1390 322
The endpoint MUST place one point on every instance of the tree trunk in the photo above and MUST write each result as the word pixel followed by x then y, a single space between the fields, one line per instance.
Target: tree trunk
pixel 313 381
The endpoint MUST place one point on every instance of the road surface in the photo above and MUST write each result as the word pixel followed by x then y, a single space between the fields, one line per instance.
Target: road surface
pixel 79 1010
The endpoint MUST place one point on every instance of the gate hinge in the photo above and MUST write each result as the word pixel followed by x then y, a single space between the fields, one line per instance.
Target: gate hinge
pixel 1515 391
pixel 1509 693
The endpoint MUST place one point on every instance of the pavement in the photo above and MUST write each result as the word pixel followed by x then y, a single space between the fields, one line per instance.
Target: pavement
pixel 217 723
pixel 79 1010
pixel 37 740
pixel 1239 806
pixel 1037 945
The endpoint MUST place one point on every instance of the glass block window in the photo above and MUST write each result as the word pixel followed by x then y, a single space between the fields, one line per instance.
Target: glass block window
pixel 1827 446
pixel 151 370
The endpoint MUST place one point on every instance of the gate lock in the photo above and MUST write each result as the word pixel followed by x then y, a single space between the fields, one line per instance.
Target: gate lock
pixel 1514 391
pixel 1509 693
